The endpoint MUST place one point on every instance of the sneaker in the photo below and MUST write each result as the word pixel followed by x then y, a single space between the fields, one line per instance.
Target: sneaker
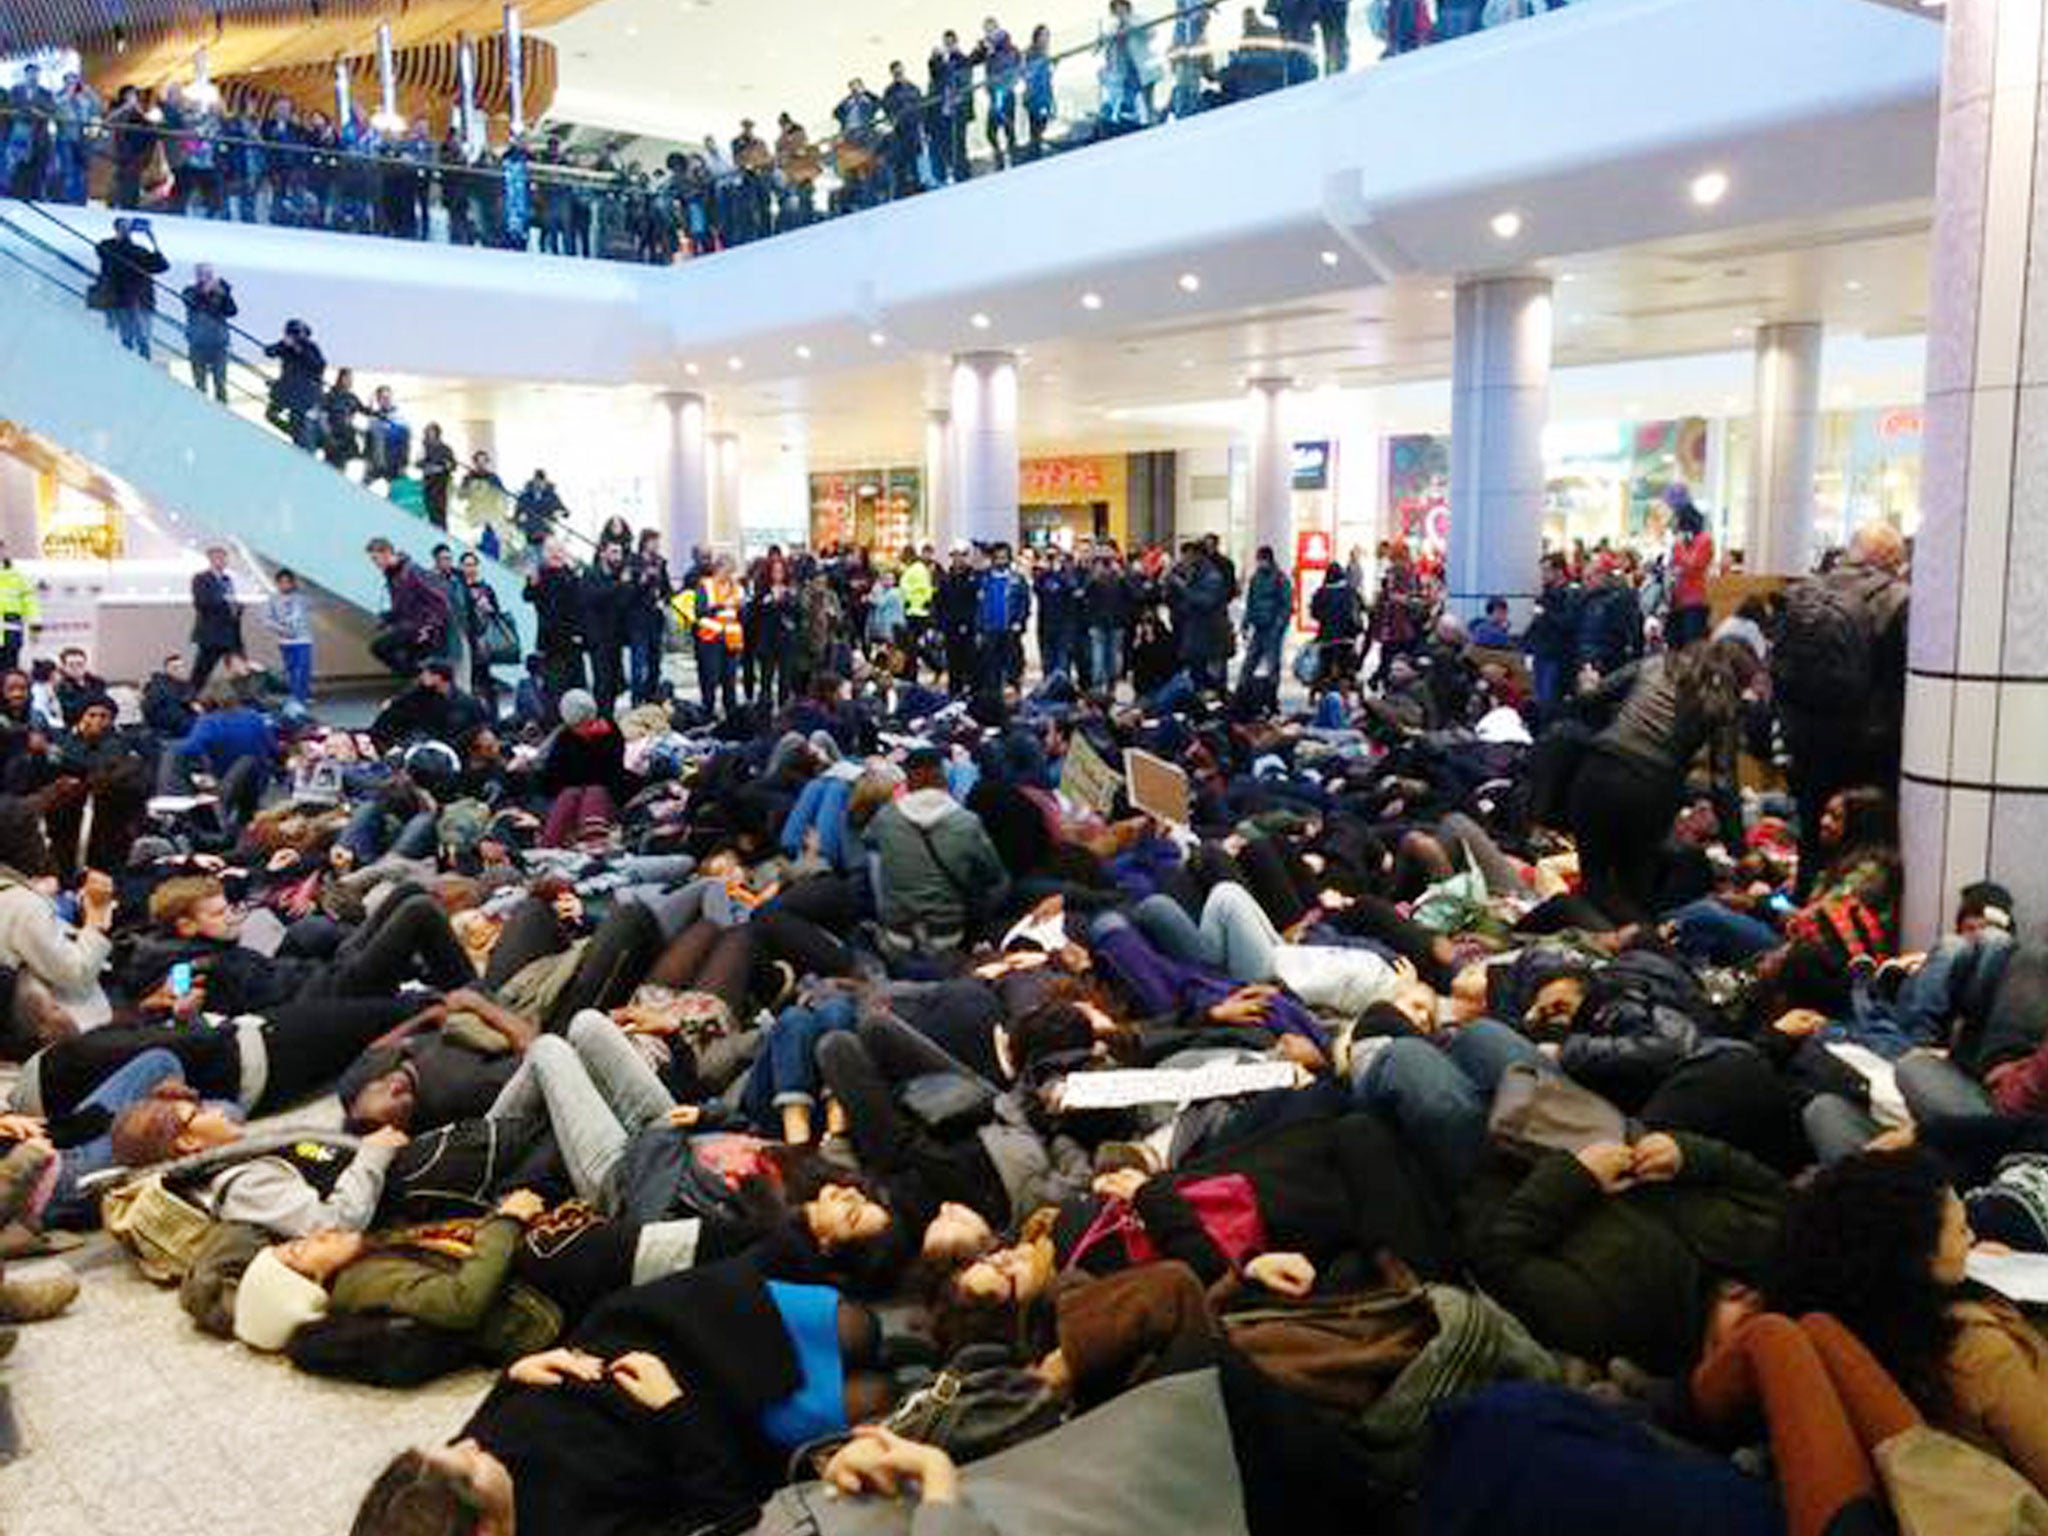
pixel 36 1297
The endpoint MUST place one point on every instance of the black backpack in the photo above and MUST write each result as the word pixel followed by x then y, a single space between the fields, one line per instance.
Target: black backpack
pixel 1823 658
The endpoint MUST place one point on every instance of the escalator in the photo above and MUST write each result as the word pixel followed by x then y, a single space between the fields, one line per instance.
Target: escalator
pixel 215 472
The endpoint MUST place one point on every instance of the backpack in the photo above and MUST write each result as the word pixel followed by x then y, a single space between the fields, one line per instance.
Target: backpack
pixel 161 1228
pixel 1822 661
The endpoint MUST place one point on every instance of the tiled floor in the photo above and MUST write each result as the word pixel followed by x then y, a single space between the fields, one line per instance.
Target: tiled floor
pixel 132 1420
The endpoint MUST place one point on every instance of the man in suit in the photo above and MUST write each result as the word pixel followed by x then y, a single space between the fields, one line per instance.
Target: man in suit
pixel 216 617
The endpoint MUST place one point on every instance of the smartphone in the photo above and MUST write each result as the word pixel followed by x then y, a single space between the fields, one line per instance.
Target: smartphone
pixel 181 979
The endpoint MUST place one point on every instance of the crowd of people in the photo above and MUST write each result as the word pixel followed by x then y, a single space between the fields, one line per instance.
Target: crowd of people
pixel 189 150
pixel 1445 1107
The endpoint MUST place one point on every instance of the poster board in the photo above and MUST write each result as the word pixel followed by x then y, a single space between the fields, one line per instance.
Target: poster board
pixel 1156 787
pixel 1086 779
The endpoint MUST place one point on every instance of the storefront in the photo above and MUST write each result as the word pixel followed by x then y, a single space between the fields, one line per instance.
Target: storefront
pixel 1063 500
pixel 875 509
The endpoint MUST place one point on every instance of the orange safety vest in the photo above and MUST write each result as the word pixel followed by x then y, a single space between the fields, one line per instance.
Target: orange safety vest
pixel 718 613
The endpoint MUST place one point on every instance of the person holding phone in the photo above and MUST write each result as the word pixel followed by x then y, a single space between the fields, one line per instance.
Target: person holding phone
pixel 125 290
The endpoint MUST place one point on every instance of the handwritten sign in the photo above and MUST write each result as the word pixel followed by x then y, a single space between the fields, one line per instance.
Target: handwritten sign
pixel 1156 787
pixel 1088 780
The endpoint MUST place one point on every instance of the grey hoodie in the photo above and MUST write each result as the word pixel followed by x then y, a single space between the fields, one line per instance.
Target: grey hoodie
pixel 931 853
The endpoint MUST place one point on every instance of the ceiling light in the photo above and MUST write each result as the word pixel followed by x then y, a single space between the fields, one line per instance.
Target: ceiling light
pixel 1739 332
pixel 1507 224
pixel 803 353
pixel 1091 301
pixel 1633 408
pixel 1190 283
pixel 877 339
pixel 1187 362
pixel 1440 293
pixel 735 363
pixel 1330 258
pixel 1568 277
pixel 1854 285
pixel 690 369
pixel 979 321
pixel 1709 187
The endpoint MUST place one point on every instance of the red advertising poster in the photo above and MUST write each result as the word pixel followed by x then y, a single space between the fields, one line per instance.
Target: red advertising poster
pixel 1313 551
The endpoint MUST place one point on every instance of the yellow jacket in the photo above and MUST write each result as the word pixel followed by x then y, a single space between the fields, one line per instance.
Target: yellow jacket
pixel 18 597
pixel 918 587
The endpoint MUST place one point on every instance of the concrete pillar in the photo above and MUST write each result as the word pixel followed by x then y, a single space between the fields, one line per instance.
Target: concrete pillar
pixel 684 482
pixel 1272 470
pixel 1500 400
pixel 1974 793
pixel 983 493
pixel 1785 450
pixel 728 519
pixel 938 478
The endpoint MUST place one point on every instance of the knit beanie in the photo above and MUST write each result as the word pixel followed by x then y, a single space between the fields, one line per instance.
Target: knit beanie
pixel 273 1300
pixel 578 707
pixel 2013 1208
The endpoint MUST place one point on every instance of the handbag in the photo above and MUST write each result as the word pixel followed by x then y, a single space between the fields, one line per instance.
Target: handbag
pixel 1225 1206
pixel 99 295
pixel 161 1228
pixel 501 641
pixel 946 1103
pixel 978 1405
pixel 1535 1111
pixel 1940 1485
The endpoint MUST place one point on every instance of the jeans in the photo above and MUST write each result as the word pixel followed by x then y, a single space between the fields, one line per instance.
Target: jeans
pixel 596 1091
pixel 1104 652
pixel 1935 1088
pixel 1439 1099
pixel 1837 1128
pixel 1235 935
pixel 298 668
pixel 131 323
pixel 787 1070
pixel 1262 651
pixel 1053 649
pixel 1718 935
pixel 210 367
pixel 644 634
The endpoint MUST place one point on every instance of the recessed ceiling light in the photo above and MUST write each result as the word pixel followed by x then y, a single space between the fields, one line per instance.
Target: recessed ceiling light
pixel 803 353
pixel 735 363
pixel 1187 362
pixel 1440 293
pixel 1577 318
pixel 1330 258
pixel 1507 224
pixel 1190 283
pixel 1709 187
pixel 1568 277
pixel 690 369
pixel 979 321
pixel 1633 408
pixel 1091 300
pixel 877 339
pixel 1740 331
pixel 1854 285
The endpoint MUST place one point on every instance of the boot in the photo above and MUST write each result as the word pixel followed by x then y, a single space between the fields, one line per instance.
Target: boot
pixel 36 1297
pixel 20 1170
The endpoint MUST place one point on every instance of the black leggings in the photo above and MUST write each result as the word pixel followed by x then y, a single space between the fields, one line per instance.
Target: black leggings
pixel 707 958
pixel 407 938
pixel 307 1044
pixel 620 955
pixel 1621 815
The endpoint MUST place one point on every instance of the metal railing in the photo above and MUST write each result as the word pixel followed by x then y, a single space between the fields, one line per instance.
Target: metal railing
pixel 995 109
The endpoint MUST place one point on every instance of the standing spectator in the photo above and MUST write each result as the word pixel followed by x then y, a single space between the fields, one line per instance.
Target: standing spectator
pixel 1039 102
pixel 1401 613
pixel 78 116
pixel 1106 606
pixel 919 587
pixel 1333 20
pixel 1129 72
pixel 1610 621
pixel 387 440
pixel 558 614
pixel 1268 604
pixel 339 408
pixel 955 607
pixel 216 617
pixel 483 612
pixel 769 633
pixel 1692 561
pixel 887 621
pixel 290 623
pixel 415 627
pixel 1839 679
pixel 209 306
pixel 538 510
pixel 1056 590
pixel 647 616
pixel 295 394
pixel 952 107
pixel 604 598
pixel 904 105
pixel 1002 610
pixel 133 138
pixel 457 592
pixel 1198 592
pixel 1552 638
pixel 20 612
pixel 34 112
pixel 437 470
pixel 126 287
pixel 713 605
pixel 1005 67
pixel 1336 611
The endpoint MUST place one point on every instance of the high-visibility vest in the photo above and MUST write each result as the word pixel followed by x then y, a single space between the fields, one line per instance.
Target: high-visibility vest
pixel 716 613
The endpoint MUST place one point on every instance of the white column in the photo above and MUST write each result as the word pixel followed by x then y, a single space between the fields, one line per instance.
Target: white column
pixel 685 476
pixel 1785 450
pixel 938 478
pixel 1974 792
pixel 1500 401
pixel 1272 470
pixel 728 519
pixel 983 492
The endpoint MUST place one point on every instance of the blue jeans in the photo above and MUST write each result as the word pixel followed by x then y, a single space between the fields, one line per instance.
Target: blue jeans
pixel 595 1090
pixel 130 322
pixel 1262 651
pixel 1440 1097
pixel 1235 936
pixel 298 668
pixel 1719 935
pixel 1054 650
pixel 786 1071
pixel 1105 653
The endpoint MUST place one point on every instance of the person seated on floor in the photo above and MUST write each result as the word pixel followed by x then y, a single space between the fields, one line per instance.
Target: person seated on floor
pixel 432 708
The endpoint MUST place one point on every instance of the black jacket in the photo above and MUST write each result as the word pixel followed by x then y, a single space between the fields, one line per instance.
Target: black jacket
pixel 955 603
pixel 216 615
pixel 557 599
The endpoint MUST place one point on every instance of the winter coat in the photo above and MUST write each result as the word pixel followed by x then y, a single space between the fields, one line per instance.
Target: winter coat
pixel 932 852
pixel 1200 598
pixel 419 602
pixel 1269 600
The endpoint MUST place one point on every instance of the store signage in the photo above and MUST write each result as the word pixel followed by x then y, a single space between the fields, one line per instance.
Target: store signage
pixel 1312 466
pixel 1064 479
pixel 1314 550
pixel 1903 422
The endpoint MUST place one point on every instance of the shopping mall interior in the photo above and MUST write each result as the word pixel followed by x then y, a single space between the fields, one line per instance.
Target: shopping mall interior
pixel 1504 299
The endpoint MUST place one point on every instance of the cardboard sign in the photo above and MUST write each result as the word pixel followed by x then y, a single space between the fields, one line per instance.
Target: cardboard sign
pixel 1156 787
pixel 1088 780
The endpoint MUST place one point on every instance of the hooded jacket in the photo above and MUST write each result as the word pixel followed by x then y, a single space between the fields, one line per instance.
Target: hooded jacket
pixel 935 858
